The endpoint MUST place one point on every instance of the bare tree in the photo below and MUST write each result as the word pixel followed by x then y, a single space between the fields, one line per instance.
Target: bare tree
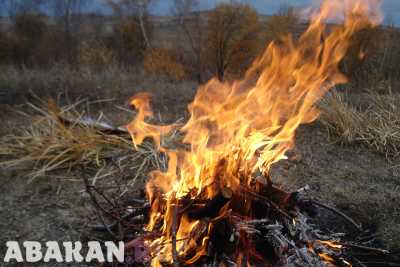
pixel 192 26
pixel 133 8
pixel 232 38
pixel 282 23
pixel 68 14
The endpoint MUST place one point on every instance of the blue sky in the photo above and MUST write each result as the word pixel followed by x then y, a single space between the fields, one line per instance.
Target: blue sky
pixel 263 6
pixel 163 7
pixel 391 8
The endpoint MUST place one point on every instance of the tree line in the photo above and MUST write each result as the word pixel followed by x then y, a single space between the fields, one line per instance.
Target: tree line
pixel 221 42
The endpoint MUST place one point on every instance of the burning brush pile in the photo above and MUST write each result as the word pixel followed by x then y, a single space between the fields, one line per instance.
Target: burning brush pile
pixel 216 203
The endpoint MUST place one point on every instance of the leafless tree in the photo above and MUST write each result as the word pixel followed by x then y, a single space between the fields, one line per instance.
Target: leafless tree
pixel 68 14
pixel 192 26
pixel 232 38
pixel 133 8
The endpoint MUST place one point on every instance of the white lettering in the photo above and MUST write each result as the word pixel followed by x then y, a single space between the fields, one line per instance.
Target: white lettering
pixel 73 254
pixel 112 250
pixel 13 252
pixel 33 251
pixel 53 252
pixel 94 252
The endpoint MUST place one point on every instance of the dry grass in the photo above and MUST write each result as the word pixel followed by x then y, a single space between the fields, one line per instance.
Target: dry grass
pixel 47 145
pixel 371 118
pixel 114 82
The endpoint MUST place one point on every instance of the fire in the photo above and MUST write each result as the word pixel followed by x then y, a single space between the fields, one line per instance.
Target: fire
pixel 330 244
pixel 327 258
pixel 240 128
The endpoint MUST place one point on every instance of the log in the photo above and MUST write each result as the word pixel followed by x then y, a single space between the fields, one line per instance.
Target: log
pixel 212 207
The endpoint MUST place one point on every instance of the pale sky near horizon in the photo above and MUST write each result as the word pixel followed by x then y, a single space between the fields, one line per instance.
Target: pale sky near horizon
pixel 391 8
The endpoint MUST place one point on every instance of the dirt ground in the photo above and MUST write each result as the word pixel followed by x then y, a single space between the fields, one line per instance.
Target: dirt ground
pixel 362 184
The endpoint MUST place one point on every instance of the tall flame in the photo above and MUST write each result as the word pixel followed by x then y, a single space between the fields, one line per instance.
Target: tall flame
pixel 240 127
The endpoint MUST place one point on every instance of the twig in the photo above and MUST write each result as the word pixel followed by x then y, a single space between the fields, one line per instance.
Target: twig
pixel 97 205
pixel 103 195
pixel 378 250
pixel 270 202
pixel 116 223
pixel 106 226
pixel 357 262
pixel 338 212
pixel 174 226
pixel 88 190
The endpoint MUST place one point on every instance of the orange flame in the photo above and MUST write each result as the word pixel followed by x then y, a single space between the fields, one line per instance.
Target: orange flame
pixel 237 128
pixel 330 244
pixel 328 259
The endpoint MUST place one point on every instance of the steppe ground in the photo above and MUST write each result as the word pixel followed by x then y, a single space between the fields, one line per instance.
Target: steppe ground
pixel 363 184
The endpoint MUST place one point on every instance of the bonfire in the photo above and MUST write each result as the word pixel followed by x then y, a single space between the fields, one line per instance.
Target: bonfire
pixel 216 202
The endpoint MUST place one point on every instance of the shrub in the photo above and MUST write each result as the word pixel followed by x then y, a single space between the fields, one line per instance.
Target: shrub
pixel 95 53
pixel 232 38
pixel 363 56
pixel 128 39
pixel 281 24
pixel 50 49
pixel 29 29
pixel 163 62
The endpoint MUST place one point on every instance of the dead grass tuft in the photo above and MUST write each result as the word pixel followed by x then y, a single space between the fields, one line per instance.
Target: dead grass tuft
pixel 48 145
pixel 370 118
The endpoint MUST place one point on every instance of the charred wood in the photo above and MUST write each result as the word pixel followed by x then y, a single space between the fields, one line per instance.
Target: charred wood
pixel 212 207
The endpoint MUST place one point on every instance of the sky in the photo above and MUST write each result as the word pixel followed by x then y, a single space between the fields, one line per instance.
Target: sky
pixel 263 6
pixel 391 8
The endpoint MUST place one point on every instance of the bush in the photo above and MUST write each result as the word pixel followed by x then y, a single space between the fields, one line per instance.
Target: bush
pixel 232 38
pixel 29 29
pixel 95 53
pixel 281 24
pixel 128 39
pixel 363 56
pixel 164 62
pixel 50 49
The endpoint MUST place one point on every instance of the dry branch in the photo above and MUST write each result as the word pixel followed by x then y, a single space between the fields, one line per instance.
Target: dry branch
pixel 338 212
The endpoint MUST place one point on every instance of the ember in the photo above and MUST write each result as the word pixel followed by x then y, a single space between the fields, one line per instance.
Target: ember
pixel 216 202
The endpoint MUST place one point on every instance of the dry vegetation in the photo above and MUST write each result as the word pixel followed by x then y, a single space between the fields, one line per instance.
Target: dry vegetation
pixel 50 145
pixel 164 62
pixel 368 118
pixel 63 140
